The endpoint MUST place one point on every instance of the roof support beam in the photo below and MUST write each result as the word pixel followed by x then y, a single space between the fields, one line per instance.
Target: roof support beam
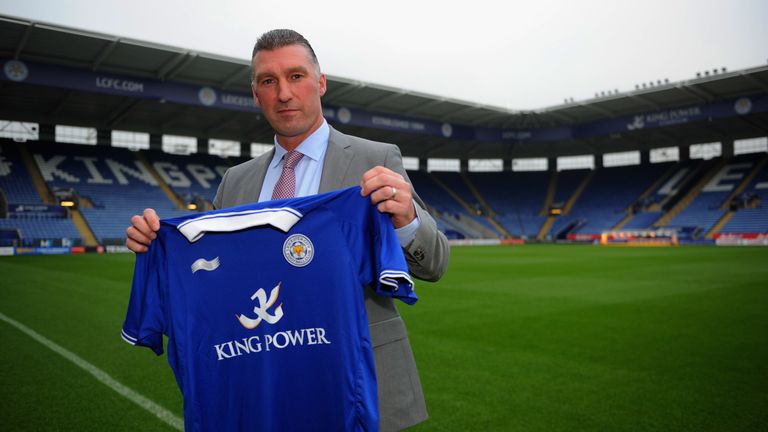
pixel 645 101
pixel 60 105
pixel 225 118
pixel 387 98
pixel 175 65
pixel 700 93
pixel 117 115
pixel 755 80
pixel 754 124
pixel 698 97
pixel 487 117
pixel 104 54
pixel 172 117
pixel 170 64
pixel 224 122
pixel 348 89
pixel 23 41
pixel 596 109
pixel 459 112
pixel 564 117
pixel 431 150
pixel 235 77
pixel 423 106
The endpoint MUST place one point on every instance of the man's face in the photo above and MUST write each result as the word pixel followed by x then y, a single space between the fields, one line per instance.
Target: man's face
pixel 288 90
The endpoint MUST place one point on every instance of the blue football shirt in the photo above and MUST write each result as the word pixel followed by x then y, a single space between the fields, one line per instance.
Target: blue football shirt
pixel 263 307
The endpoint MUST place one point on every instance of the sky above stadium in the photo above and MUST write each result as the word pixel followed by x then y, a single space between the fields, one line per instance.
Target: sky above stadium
pixel 515 55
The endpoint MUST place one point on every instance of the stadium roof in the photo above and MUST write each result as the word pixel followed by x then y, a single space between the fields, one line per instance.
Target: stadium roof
pixel 95 52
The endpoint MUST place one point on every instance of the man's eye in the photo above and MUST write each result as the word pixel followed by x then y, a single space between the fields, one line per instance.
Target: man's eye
pixel 296 76
pixel 267 81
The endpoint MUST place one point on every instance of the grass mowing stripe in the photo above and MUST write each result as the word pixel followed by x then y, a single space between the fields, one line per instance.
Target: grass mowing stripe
pixel 100 375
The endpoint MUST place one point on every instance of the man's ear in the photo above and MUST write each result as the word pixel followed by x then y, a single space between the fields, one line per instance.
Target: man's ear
pixel 255 95
pixel 322 84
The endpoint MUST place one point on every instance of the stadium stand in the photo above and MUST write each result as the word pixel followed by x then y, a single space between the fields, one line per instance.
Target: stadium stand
pixel 448 212
pixel 29 220
pixel 189 176
pixel 15 180
pixel 751 206
pixel 516 208
pixel 110 184
pixel 610 194
pixel 456 183
pixel 567 193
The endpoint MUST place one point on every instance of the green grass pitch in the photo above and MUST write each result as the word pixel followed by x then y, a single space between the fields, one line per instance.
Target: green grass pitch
pixel 531 338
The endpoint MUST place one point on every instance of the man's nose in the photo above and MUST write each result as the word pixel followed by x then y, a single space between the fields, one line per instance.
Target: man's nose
pixel 284 92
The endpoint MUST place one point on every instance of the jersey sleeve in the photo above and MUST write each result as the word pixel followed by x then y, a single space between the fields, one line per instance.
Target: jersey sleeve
pixel 388 261
pixel 144 321
pixel 374 245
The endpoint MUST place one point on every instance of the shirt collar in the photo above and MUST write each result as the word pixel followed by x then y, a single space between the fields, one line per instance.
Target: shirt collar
pixel 313 146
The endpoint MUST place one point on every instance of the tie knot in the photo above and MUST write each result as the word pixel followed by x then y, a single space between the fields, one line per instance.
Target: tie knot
pixel 292 158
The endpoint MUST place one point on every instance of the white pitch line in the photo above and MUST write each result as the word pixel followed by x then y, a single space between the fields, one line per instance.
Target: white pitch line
pixel 155 409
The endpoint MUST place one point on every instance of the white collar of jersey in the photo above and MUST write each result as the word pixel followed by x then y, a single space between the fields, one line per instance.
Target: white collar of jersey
pixel 282 218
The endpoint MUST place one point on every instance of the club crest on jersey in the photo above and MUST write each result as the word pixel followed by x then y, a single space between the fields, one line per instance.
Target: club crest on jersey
pixel 262 309
pixel 298 250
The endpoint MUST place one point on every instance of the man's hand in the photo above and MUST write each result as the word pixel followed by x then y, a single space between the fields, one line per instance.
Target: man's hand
pixel 391 194
pixel 142 231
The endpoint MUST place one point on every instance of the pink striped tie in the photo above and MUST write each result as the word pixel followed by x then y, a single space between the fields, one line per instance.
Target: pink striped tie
pixel 286 184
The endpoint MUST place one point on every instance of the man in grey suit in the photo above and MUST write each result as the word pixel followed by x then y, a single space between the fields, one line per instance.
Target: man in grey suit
pixel 287 85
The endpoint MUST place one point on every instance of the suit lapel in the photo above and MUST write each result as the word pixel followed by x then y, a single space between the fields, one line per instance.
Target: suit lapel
pixel 262 163
pixel 338 157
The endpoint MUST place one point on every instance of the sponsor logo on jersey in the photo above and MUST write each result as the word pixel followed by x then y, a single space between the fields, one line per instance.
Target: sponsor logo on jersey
pixel 298 250
pixel 269 342
pixel 261 310
pixel 204 264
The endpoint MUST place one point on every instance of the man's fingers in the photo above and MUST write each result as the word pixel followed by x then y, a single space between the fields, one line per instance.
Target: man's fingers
pixel 142 231
pixel 141 225
pixel 137 236
pixel 402 213
pixel 402 195
pixel 391 207
pixel 378 177
pixel 385 182
pixel 135 247
pixel 152 219
pixel 377 170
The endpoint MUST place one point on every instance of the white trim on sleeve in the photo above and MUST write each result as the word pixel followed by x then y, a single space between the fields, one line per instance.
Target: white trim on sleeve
pixel 128 338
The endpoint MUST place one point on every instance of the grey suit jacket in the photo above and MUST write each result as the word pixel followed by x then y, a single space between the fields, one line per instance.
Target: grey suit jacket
pixel 401 401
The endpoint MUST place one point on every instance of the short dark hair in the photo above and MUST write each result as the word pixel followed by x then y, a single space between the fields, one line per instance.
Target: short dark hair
pixel 279 38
